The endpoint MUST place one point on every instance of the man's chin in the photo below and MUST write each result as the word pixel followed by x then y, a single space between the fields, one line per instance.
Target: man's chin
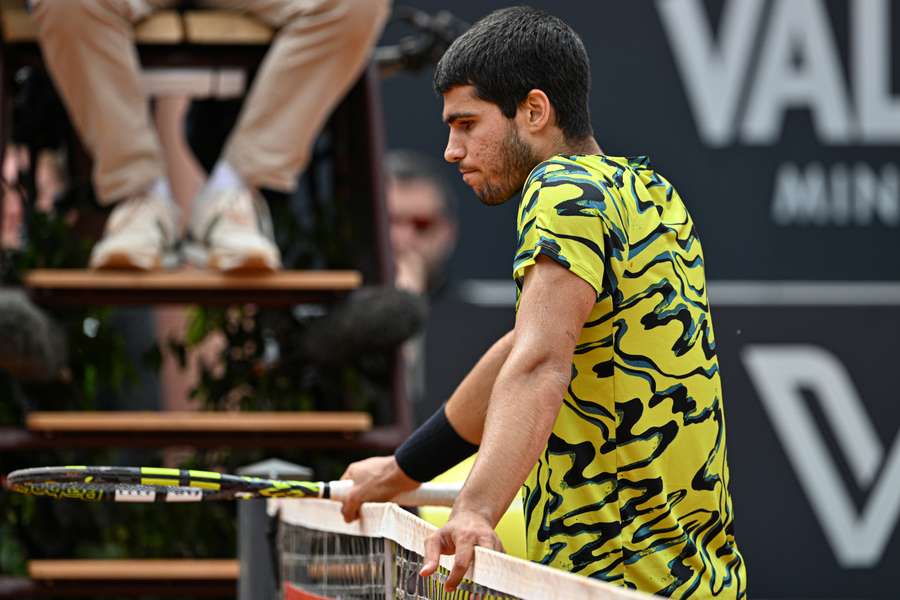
pixel 492 196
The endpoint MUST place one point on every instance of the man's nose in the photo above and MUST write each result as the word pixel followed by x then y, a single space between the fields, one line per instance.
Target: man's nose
pixel 454 152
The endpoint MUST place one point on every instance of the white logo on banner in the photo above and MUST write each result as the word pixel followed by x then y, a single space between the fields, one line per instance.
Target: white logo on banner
pixel 798 65
pixel 780 373
pixel 742 80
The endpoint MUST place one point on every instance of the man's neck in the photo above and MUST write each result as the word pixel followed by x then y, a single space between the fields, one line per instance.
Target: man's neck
pixel 587 145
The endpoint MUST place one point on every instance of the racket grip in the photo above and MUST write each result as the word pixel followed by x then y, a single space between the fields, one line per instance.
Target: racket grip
pixel 427 494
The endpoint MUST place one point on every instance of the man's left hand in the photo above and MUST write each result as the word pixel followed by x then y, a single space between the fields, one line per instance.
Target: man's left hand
pixel 459 536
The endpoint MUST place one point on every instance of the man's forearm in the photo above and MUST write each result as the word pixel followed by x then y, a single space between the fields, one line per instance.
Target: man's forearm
pixel 519 420
pixel 468 405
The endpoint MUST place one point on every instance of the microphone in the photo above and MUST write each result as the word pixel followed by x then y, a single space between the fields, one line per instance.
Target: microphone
pixel 372 319
pixel 34 346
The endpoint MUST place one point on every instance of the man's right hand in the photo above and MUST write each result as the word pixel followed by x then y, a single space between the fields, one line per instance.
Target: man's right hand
pixel 376 479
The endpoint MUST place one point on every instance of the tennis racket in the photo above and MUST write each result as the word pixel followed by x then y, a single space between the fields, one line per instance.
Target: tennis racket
pixel 153 484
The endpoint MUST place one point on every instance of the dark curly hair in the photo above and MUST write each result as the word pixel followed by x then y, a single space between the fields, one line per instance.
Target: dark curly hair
pixel 515 50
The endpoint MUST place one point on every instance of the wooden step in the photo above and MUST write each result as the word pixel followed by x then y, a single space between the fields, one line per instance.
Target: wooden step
pixel 121 429
pixel 163 27
pixel 207 422
pixel 202 27
pixel 381 439
pixel 134 569
pixel 187 286
pixel 224 27
pixel 182 578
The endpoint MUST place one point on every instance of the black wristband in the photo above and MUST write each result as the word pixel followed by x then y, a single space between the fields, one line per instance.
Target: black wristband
pixel 432 449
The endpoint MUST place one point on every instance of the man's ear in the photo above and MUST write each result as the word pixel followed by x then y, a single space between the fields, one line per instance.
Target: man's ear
pixel 537 111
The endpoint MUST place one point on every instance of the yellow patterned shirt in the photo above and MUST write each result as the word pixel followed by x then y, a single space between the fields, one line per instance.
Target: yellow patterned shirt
pixel 633 485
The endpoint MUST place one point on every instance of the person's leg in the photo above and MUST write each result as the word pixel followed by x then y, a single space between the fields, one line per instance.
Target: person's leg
pixel 186 175
pixel 88 48
pixel 319 51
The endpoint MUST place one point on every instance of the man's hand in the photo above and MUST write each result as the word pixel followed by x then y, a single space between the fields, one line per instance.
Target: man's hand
pixel 411 272
pixel 376 479
pixel 463 531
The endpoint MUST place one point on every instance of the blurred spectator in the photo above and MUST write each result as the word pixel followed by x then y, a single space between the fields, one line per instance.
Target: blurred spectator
pixel 12 204
pixel 422 211
pixel 49 182
pixel 316 55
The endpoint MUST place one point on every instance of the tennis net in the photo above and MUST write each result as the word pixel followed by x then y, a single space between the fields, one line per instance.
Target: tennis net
pixel 379 557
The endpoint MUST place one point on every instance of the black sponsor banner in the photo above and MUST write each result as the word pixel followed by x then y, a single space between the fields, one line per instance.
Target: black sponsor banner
pixel 812 415
pixel 780 123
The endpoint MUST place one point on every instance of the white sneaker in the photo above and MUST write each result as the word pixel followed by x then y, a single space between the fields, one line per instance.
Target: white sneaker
pixel 232 231
pixel 140 234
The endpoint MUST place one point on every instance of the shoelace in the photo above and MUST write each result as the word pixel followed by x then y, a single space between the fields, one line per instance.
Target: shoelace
pixel 235 201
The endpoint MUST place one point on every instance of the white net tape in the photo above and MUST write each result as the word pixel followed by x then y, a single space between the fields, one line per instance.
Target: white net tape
pixel 379 556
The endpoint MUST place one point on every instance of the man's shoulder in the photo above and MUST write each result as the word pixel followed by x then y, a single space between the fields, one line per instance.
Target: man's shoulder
pixel 576 185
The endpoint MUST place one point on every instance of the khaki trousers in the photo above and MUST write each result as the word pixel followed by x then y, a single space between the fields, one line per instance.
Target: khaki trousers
pixel 317 54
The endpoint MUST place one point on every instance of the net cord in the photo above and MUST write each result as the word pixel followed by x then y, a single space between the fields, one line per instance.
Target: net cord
pixel 491 569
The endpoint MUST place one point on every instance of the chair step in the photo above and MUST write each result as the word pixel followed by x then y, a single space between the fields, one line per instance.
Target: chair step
pixel 124 577
pixel 187 286
pixel 163 27
pixel 126 429
pixel 134 569
pixel 224 27
pixel 201 422
pixel 205 27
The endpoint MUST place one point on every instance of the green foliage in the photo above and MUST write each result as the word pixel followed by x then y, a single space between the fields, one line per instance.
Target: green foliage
pixel 97 349
pixel 98 363
pixel 51 244
pixel 259 366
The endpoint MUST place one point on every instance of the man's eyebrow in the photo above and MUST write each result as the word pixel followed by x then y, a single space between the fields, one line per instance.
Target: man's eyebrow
pixel 453 117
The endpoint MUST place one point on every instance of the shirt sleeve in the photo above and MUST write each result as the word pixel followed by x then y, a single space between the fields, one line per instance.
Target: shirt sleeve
pixel 561 217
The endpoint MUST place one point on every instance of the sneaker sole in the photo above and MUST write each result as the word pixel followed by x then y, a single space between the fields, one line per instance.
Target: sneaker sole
pixel 244 264
pixel 124 261
pixel 199 256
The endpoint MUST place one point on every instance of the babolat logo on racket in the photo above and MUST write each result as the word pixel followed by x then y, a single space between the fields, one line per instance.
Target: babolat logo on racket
pixel 59 492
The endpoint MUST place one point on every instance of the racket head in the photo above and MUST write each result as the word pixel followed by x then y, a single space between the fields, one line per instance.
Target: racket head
pixel 149 484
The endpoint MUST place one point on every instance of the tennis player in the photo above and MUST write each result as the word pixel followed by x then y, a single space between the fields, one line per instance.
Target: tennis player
pixel 604 404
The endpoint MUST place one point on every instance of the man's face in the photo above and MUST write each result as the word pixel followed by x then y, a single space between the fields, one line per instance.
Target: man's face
pixel 493 159
pixel 419 224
